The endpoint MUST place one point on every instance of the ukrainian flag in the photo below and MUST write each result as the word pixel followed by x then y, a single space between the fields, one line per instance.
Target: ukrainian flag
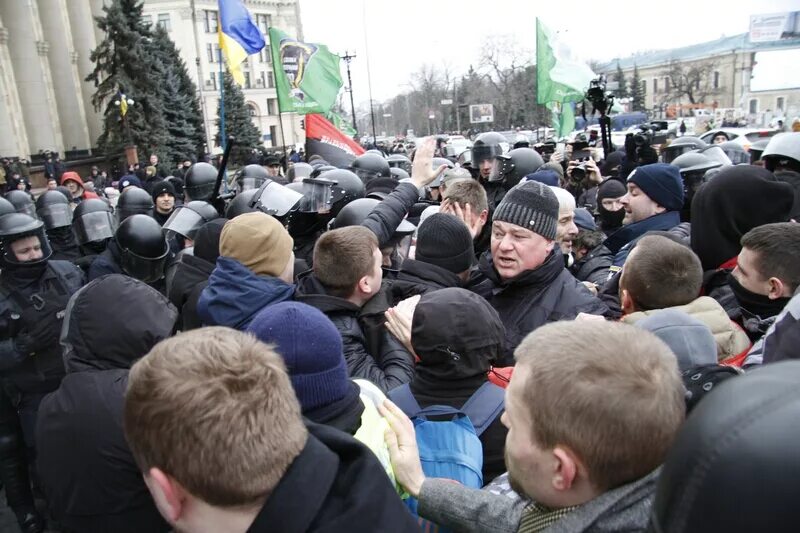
pixel 239 36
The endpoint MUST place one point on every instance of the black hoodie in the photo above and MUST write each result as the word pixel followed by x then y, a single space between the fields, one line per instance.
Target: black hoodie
pixel 86 469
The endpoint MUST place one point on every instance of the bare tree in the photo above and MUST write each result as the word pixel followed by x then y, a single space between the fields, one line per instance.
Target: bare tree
pixel 504 60
pixel 690 80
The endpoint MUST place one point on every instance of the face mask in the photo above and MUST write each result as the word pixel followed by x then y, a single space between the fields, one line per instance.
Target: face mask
pixel 610 219
pixel 756 304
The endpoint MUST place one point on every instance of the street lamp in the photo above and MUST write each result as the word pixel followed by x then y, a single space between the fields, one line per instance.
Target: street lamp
pixel 123 103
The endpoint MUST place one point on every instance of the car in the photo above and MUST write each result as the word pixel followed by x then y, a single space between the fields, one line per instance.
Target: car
pixel 742 136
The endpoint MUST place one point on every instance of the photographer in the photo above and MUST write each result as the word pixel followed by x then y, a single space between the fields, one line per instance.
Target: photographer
pixel 583 176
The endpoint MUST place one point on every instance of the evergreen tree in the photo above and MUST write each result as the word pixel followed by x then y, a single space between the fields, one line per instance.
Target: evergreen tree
pixel 182 100
pixel 619 77
pixel 238 123
pixel 124 62
pixel 636 94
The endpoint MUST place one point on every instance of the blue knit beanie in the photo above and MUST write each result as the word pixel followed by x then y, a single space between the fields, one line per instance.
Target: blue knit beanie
pixel 661 182
pixel 310 346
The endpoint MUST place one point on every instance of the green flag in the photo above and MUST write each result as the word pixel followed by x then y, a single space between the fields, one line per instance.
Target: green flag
pixel 563 118
pixel 307 75
pixel 560 76
pixel 341 124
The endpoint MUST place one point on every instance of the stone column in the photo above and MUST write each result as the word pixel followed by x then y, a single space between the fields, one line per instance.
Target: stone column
pixel 14 137
pixel 82 23
pixel 63 59
pixel 28 49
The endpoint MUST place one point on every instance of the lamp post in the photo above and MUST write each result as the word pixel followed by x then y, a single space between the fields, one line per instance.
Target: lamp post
pixel 123 103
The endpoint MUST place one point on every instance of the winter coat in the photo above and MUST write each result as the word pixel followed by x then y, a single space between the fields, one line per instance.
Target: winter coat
pixel 782 338
pixel 234 295
pixel 533 298
pixel 190 278
pixel 387 215
pixel 371 352
pixel 732 341
pixel 86 469
pixel 626 508
pixel 335 485
pixel 417 277
pixel 109 262
pixel 73 176
pixel 593 266
pixel 621 241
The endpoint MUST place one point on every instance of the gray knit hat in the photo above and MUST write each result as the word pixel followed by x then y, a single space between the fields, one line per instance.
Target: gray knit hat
pixel 531 205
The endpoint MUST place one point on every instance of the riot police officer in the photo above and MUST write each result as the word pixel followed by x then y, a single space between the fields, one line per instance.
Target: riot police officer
pixel 54 210
pixel 134 201
pixel 93 225
pixel 199 182
pixel 34 291
pixel 369 166
pixel 485 149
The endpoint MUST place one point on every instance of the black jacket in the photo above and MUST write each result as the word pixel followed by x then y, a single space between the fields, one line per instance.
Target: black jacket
pixel 371 352
pixel 190 278
pixel 417 277
pixel 335 485
pixel 534 298
pixel 593 266
pixel 387 215
pixel 85 466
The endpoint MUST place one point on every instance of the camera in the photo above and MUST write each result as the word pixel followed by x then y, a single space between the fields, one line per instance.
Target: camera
pixel 643 137
pixel 578 173
pixel 597 95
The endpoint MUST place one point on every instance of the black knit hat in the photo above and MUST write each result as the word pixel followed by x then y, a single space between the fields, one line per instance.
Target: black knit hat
pixel 531 205
pixel 162 187
pixel 444 241
pixel 610 188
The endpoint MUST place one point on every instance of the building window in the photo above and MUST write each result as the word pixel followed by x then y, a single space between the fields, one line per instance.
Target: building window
pixel 212 21
pixel 273 135
pixel 272 107
pixel 780 102
pixel 644 87
pixel 264 55
pixel 164 22
pixel 251 110
pixel 247 80
pixel 697 84
pixel 666 85
pixel 263 22
pixel 262 78
pixel 217 56
pixel 716 80
pixel 655 85
pixel 753 106
pixel 210 52
pixel 270 81
pixel 213 79
pixel 148 20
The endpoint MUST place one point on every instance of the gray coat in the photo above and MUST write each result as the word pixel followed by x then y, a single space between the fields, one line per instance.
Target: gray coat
pixel 626 508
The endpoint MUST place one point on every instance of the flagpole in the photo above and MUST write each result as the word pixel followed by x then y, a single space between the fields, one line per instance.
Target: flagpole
pixel 369 77
pixel 221 100
pixel 280 114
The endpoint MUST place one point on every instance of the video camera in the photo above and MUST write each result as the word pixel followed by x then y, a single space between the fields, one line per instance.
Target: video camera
pixel 546 149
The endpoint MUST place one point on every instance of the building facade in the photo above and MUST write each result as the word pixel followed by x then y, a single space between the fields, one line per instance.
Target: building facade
pixel 45 45
pixel 719 73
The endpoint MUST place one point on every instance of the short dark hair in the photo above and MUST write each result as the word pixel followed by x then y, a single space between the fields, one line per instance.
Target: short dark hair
pixel 777 247
pixel 342 257
pixel 661 273
pixel 588 239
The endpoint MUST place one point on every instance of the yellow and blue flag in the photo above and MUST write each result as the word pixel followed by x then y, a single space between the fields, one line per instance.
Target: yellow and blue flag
pixel 239 36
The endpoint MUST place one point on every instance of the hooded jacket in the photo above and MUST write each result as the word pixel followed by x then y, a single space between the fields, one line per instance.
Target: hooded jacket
pixel 624 508
pixel 335 485
pixel 234 295
pixel 73 176
pixel 533 298
pixel 85 466
pixel 732 341
pixel 371 352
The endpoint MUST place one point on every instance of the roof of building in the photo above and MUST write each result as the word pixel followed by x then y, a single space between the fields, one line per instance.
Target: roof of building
pixel 721 46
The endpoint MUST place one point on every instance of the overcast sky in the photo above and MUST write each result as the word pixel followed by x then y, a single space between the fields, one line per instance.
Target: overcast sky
pixel 404 34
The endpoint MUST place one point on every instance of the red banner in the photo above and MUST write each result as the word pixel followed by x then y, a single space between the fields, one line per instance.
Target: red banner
pixel 325 140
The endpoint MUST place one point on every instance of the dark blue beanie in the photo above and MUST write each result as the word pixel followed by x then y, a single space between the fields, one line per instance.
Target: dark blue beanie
pixel 311 347
pixel 661 182
pixel 584 219
pixel 544 175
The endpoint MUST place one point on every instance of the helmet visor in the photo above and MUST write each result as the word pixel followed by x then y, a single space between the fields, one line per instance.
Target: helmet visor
pixel 125 212
pixel 28 209
pixel 717 154
pixel 299 172
pixel 364 175
pixel 738 157
pixel 318 195
pixel 671 152
pixel 56 215
pixel 146 269
pixel 184 222
pixel 200 192
pixel 483 152
pixel 275 199
pixel 247 183
pixel 401 163
pixel 94 227
pixel 501 166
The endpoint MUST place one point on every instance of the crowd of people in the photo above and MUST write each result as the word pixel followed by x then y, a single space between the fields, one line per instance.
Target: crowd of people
pixel 482 342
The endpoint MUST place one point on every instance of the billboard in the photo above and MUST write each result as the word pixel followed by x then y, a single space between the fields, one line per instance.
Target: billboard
pixel 774 27
pixel 481 113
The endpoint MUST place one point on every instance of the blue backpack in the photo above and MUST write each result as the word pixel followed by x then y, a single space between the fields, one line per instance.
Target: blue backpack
pixel 451 449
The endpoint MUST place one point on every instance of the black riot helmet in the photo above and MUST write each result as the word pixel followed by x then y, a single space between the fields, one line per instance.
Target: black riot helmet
pixel 299 171
pixel 319 169
pixel 369 166
pixel 92 221
pixel 189 217
pixel 199 181
pixel 242 203
pixel 756 149
pixel 134 201
pixel 22 202
pixel 487 146
pixel 275 199
pixel 250 177
pixel 348 187
pixel 694 168
pixel 515 165
pixel 143 248
pixel 54 210
pixel 680 146
pixel 399 174
pixel 357 211
pixel 399 161
pixel 16 226
pixel 6 207
pixel 735 152
pixel 782 152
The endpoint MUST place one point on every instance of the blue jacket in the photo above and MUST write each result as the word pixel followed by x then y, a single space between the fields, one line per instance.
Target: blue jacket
pixel 620 241
pixel 235 295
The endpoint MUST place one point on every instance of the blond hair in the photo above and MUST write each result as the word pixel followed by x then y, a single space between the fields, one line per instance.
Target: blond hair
pixel 609 392
pixel 214 409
